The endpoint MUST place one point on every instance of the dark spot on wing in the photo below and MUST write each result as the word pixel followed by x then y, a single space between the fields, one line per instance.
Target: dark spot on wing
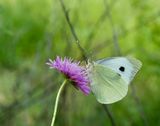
pixel 122 69
pixel 118 74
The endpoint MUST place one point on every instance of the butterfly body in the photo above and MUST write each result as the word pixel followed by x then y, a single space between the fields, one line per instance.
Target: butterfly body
pixel 110 78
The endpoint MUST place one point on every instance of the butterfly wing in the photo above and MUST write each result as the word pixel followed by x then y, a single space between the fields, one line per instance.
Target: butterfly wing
pixel 127 67
pixel 107 85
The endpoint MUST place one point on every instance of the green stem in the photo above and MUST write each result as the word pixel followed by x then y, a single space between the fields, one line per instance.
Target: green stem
pixel 56 103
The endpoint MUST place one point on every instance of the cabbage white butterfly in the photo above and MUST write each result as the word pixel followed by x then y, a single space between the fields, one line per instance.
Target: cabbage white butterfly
pixel 110 77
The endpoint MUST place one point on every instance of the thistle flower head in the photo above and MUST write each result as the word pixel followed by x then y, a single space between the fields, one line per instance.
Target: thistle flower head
pixel 73 71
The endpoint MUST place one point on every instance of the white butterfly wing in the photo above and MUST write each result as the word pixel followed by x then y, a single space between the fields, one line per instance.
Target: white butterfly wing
pixel 127 67
pixel 107 85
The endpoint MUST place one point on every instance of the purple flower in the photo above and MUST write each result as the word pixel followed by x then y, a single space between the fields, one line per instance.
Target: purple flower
pixel 73 71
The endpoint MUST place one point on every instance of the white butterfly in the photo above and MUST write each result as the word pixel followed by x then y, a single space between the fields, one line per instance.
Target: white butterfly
pixel 110 77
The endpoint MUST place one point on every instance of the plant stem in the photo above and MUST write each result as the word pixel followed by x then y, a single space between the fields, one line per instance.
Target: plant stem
pixel 72 29
pixel 57 100
pixel 112 120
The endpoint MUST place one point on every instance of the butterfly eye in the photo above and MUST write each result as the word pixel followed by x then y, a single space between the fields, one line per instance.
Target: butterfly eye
pixel 122 69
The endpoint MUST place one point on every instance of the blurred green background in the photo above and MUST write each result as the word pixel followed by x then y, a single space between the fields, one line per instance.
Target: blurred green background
pixel 32 31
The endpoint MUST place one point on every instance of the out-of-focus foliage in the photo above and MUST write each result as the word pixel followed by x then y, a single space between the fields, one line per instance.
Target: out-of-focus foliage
pixel 31 31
